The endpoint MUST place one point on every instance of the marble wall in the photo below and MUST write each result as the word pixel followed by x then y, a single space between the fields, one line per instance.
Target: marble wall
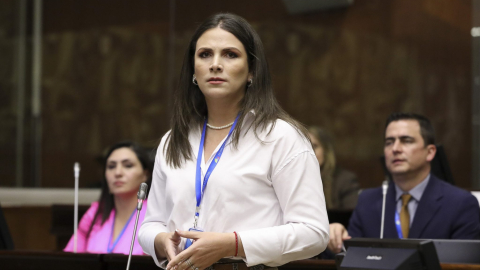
pixel 105 75
pixel 8 97
pixel 101 86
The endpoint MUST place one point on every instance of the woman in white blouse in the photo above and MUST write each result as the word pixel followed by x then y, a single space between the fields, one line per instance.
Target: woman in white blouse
pixel 236 176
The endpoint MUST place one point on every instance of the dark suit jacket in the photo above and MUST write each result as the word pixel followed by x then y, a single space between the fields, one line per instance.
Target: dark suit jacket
pixel 444 212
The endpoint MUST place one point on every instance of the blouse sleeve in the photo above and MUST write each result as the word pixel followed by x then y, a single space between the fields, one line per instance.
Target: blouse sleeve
pixel 83 227
pixel 305 233
pixel 155 218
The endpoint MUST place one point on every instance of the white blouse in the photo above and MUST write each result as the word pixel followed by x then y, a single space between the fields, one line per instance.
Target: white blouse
pixel 270 192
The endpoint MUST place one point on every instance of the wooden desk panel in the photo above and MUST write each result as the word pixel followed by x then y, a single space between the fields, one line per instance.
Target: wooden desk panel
pixel 451 266
pixel 31 260
pixel 30 227
pixel 119 262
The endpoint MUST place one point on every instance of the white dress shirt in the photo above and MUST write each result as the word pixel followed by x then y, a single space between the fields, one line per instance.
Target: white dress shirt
pixel 269 192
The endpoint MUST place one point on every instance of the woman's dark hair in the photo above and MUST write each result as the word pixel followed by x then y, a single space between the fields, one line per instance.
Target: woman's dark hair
pixel 190 109
pixel 106 202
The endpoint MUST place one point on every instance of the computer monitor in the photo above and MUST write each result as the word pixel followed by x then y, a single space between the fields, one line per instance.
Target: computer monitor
pixel 458 251
pixel 398 254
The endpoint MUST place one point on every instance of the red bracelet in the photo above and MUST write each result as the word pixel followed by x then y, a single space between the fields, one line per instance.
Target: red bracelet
pixel 236 244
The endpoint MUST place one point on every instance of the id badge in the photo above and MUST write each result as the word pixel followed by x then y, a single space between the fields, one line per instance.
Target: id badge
pixel 190 241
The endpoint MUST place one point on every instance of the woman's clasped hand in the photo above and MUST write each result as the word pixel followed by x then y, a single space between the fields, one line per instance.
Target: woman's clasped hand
pixel 207 248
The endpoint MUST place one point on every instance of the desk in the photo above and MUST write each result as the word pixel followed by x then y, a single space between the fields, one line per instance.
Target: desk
pixel 30 260
pixel 119 262
pixel 39 260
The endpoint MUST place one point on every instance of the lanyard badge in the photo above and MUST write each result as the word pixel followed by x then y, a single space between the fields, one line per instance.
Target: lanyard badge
pixel 398 225
pixel 110 245
pixel 199 189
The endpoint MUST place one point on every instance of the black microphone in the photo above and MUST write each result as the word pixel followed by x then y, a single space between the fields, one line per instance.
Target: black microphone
pixel 384 192
pixel 141 195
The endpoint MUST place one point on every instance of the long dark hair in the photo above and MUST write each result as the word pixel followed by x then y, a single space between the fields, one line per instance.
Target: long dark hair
pixel 106 202
pixel 190 108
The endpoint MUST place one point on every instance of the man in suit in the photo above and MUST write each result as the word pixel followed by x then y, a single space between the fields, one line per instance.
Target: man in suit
pixel 418 204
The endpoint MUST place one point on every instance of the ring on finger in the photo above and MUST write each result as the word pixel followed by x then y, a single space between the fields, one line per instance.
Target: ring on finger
pixel 189 262
pixel 191 265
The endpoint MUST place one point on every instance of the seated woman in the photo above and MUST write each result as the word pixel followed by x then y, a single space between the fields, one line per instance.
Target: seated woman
pixel 339 185
pixel 107 226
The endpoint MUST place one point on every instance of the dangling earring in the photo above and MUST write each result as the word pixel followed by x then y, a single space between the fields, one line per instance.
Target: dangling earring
pixel 249 83
pixel 194 80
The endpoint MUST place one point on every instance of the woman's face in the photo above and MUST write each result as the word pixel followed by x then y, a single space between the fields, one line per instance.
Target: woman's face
pixel 221 65
pixel 124 172
pixel 317 147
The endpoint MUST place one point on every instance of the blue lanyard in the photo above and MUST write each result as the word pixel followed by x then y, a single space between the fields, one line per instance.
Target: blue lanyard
pixel 199 190
pixel 398 224
pixel 110 248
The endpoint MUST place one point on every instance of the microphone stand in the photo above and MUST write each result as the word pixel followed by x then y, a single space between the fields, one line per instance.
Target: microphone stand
pixel 76 172
pixel 141 195
pixel 384 192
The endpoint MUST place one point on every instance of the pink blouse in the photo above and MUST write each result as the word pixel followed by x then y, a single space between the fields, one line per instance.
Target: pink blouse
pixel 100 235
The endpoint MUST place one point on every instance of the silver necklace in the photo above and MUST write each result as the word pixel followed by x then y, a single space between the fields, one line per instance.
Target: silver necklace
pixel 221 127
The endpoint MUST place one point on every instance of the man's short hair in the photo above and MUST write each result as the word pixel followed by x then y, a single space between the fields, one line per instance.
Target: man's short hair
pixel 426 128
